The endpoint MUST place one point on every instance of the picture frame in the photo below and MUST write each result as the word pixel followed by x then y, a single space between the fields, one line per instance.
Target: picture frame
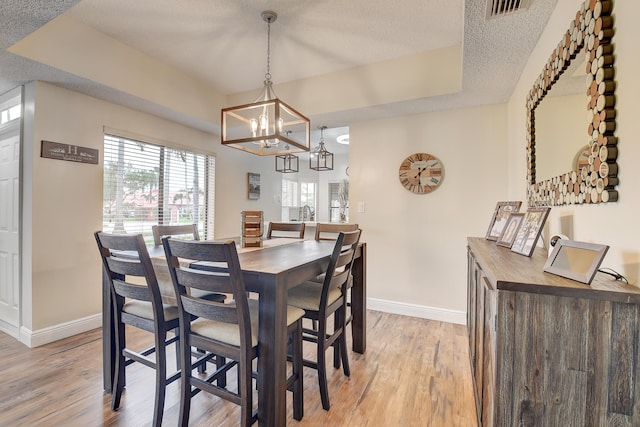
pixel 530 230
pixel 499 218
pixel 253 186
pixel 575 260
pixel 510 230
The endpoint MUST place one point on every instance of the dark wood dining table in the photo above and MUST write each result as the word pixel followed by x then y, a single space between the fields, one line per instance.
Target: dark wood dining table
pixel 270 272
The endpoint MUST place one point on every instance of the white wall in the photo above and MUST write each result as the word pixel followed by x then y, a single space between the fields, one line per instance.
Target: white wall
pixel 63 200
pixel 417 243
pixel 232 167
pixel 614 224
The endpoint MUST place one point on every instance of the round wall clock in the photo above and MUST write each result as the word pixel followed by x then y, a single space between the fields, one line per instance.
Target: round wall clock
pixel 421 173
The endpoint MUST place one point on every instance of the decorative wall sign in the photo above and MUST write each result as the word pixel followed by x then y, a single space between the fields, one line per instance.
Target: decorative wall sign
pixel 68 152
pixel 253 182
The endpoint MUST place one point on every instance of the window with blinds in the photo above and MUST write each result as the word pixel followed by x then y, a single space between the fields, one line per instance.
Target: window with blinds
pixel 147 184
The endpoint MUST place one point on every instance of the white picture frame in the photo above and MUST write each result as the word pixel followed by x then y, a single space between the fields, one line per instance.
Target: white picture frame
pixel 575 260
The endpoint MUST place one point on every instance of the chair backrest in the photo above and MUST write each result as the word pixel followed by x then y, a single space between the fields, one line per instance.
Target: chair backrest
pixel 330 231
pixel 220 273
pixel 339 269
pixel 124 257
pixel 160 231
pixel 294 230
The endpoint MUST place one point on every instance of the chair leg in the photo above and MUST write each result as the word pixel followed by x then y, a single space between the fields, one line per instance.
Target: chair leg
pixel 203 367
pixel 161 377
pixel 246 396
pixel 336 347
pixel 336 356
pixel 176 331
pixel 185 382
pixel 220 362
pixel 296 350
pixel 322 368
pixel 119 374
pixel 342 344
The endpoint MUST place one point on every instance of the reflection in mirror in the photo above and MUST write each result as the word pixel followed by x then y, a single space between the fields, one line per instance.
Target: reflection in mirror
pixel 560 124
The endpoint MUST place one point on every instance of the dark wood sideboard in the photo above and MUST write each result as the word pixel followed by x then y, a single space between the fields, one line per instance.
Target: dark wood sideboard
pixel 546 350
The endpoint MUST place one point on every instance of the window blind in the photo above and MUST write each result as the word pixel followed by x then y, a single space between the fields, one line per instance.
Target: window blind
pixel 147 184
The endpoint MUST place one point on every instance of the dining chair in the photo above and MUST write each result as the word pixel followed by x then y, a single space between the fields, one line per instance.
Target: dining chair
pixel 320 301
pixel 329 231
pixel 183 230
pixel 229 330
pixel 286 229
pixel 125 258
pixel 160 231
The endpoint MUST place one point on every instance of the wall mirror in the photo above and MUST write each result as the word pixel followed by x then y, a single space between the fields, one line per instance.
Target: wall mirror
pixel 567 165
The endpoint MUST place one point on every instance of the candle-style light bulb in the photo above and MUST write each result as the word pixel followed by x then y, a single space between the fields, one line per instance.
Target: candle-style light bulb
pixel 264 123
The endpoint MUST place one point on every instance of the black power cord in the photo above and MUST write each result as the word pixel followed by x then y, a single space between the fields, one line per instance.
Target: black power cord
pixel 612 272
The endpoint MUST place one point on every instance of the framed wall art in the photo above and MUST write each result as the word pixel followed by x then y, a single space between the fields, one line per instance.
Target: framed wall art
pixel 530 230
pixel 253 185
pixel 510 230
pixel 499 218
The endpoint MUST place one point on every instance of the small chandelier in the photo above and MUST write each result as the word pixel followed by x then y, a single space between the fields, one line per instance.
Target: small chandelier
pixel 267 126
pixel 320 159
pixel 287 163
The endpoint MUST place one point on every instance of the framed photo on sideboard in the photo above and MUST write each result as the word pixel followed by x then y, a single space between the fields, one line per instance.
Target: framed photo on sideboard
pixel 530 230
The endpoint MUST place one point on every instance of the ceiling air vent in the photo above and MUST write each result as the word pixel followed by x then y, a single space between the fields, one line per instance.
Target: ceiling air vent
pixel 503 7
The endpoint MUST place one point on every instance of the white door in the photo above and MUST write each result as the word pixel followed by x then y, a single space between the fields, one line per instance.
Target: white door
pixel 10 227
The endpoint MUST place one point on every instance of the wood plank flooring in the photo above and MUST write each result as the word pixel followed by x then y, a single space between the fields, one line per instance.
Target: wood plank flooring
pixel 415 373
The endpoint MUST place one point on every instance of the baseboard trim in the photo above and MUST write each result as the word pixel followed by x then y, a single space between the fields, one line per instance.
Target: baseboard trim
pixel 413 310
pixel 9 329
pixel 68 329
pixel 60 331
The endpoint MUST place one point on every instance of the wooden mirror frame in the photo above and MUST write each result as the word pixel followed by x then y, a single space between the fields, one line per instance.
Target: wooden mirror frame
pixel 591 30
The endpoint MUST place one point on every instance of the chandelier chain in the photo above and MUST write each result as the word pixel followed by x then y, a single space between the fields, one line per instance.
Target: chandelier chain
pixel 267 76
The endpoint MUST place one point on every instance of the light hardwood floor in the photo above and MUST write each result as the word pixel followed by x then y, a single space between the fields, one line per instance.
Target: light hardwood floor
pixel 415 372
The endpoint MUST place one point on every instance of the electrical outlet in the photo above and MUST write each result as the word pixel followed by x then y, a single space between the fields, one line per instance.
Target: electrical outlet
pixel 360 207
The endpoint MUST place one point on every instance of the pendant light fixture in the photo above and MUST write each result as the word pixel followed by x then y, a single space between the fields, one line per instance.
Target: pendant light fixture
pixel 267 126
pixel 287 163
pixel 320 159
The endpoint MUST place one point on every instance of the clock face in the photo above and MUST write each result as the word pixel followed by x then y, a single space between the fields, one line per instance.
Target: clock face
pixel 421 173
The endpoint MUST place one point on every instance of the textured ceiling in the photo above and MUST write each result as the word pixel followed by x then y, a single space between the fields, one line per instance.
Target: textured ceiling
pixel 223 43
